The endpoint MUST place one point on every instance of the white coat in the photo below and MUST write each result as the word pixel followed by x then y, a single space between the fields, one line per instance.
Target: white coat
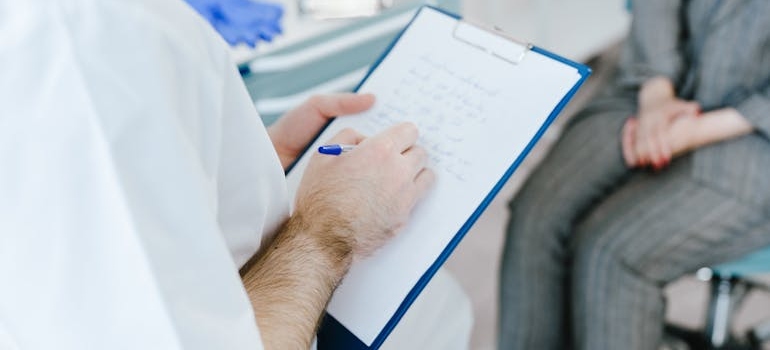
pixel 135 178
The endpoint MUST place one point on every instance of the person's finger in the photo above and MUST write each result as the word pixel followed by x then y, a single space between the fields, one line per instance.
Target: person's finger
pixel 417 158
pixel 653 144
pixel 661 150
pixel 347 136
pixel 340 104
pixel 400 137
pixel 276 27
pixel 665 148
pixel 641 146
pixel 423 182
pixel 695 108
pixel 653 149
pixel 677 108
pixel 627 143
pixel 653 141
pixel 227 32
pixel 250 37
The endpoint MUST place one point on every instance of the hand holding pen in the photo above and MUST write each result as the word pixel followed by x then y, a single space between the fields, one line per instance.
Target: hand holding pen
pixel 367 194
pixel 294 131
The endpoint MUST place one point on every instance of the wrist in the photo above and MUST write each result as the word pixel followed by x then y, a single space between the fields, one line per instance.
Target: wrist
pixel 656 91
pixel 291 281
pixel 719 125
pixel 687 133
pixel 329 240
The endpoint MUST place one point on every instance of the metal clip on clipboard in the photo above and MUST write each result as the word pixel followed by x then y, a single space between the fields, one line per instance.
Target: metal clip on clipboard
pixel 492 41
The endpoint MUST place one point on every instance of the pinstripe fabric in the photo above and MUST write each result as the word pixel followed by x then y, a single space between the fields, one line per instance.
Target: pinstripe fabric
pixel 591 244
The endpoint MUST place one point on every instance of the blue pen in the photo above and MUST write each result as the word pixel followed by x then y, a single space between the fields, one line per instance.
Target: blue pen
pixel 334 150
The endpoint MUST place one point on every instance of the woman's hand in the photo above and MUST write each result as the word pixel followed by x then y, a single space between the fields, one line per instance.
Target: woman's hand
pixel 678 136
pixel 658 108
pixel 292 133
pixel 686 133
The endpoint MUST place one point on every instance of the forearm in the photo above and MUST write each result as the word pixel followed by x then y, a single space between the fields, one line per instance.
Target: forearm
pixel 719 125
pixel 291 282
pixel 655 91
pixel 345 206
pixel 756 109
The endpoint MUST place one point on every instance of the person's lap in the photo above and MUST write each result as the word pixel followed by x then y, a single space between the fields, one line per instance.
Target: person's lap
pixel 646 233
pixel 583 166
pixel 582 208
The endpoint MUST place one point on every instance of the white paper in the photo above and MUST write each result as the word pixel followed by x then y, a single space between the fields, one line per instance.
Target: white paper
pixel 476 114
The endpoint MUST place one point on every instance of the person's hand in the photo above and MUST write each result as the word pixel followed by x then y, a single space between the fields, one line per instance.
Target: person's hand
pixel 658 107
pixel 293 131
pixel 364 196
pixel 679 136
pixel 652 144
pixel 686 133
pixel 241 21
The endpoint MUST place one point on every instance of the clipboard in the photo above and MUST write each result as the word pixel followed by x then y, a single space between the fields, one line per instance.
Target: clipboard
pixel 462 85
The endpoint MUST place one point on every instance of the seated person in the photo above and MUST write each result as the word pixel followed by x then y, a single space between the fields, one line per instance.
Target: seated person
pixel 662 174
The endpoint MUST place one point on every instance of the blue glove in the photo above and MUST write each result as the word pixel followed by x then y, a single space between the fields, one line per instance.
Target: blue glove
pixel 241 21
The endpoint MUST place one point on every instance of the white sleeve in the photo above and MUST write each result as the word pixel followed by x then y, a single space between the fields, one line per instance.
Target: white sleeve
pixel 253 196
pixel 116 191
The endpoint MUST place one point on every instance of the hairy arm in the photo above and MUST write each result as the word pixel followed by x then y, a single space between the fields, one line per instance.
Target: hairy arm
pixel 346 207
pixel 292 281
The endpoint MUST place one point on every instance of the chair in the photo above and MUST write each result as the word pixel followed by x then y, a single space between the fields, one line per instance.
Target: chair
pixel 730 284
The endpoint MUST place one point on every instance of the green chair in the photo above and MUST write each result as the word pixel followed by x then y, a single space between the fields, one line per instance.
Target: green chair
pixel 730 283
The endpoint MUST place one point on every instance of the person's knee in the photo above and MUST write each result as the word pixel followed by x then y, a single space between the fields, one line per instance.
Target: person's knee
pixel 530 236
pixel 600 258
pixel 592 258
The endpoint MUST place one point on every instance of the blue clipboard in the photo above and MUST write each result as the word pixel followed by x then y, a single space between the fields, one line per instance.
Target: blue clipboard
pixel 332 334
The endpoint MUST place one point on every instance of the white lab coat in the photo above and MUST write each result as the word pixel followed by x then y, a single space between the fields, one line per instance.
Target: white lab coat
pixel 135 178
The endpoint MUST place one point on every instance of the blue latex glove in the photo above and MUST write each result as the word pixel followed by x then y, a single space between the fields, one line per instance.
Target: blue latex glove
pixel 241 21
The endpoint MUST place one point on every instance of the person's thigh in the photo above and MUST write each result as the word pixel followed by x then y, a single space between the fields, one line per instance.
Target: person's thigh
pixel 650 231
pixel 583 166
pixel 668 223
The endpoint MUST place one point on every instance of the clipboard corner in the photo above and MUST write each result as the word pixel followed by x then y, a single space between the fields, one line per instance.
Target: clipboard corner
pixel 582 69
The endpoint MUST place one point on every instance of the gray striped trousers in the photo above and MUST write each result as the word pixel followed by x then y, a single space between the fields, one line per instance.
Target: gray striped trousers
pixel 590 244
